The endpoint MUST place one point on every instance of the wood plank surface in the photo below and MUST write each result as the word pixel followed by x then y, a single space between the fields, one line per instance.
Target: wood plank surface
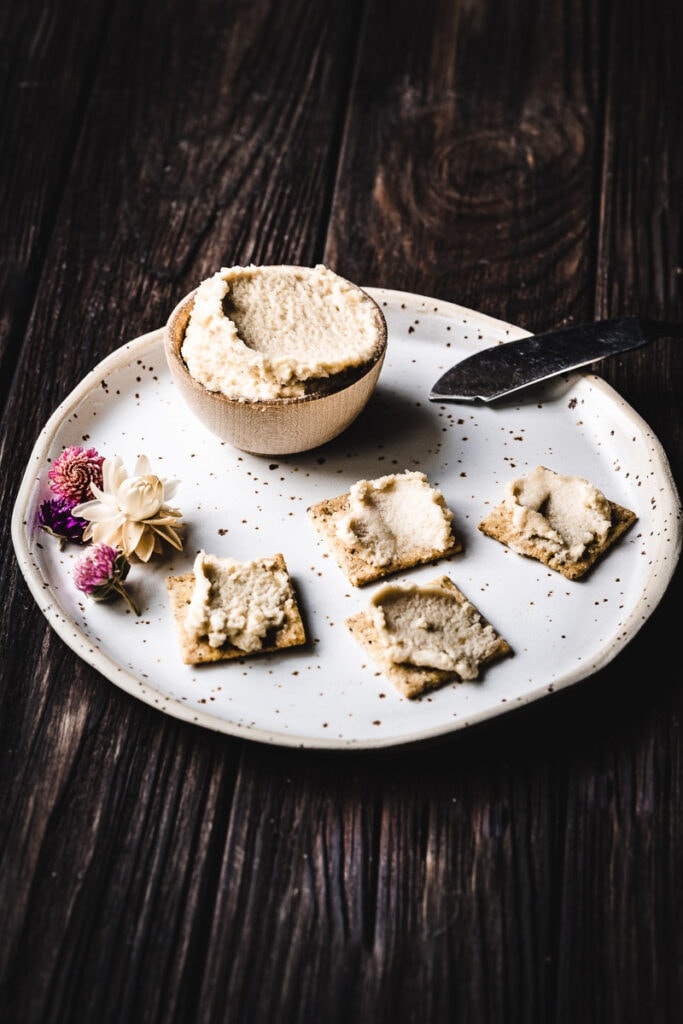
pixel 522 159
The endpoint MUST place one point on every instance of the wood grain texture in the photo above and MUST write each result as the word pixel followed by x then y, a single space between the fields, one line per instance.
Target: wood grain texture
pixel 640 266
pixel 477 158
pixel 50 65
pixel 631 893
pixel 523 159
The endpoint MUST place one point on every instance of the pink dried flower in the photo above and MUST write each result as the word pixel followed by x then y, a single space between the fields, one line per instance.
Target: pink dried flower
pixel 100 572
pixel 73 473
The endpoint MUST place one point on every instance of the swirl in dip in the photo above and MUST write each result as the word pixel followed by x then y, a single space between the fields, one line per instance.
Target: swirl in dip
pixel 274 332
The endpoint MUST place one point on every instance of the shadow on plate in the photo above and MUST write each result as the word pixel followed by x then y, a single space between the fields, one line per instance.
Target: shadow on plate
pixel 390 427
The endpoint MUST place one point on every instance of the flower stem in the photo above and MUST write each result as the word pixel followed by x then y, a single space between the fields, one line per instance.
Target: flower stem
pixel 120 589
pixel 58 537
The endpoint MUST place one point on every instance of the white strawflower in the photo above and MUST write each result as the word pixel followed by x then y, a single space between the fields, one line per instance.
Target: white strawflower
pixel 131 512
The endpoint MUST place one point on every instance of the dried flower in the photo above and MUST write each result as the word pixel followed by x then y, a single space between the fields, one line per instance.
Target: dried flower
pixel 56 518
pixel 131 512
pixel 73 473
pixel 100 572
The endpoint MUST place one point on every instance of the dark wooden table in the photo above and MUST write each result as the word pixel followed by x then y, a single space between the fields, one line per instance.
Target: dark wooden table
pixel 522 159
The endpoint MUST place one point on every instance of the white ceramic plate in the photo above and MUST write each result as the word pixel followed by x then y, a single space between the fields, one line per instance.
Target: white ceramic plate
pixel 328 694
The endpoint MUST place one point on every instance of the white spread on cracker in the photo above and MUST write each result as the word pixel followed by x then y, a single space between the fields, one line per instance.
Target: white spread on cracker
pixel 429 627
pixel 261 332
pixel 390 518
pixel 237 602
pixel 562 514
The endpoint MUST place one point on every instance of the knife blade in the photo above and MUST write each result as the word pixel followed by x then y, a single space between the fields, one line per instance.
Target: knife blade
pixel 508 367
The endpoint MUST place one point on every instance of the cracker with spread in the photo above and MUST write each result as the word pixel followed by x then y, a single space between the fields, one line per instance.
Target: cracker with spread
pixel 562 521
pixel 422 637
pixel 384 526
pixel 227 609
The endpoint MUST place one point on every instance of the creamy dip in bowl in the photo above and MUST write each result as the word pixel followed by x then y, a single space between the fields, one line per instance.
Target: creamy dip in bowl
pixel 276 359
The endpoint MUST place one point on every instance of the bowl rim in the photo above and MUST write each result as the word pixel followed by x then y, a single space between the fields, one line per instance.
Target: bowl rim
pixel 173 339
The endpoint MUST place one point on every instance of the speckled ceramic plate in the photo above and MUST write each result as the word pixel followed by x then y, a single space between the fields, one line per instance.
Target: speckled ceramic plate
pixel 328 694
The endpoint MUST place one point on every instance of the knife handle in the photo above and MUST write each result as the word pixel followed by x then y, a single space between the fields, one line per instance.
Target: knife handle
pixel 660 328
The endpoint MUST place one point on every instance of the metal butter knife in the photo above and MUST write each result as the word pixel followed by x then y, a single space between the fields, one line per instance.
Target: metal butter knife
pixel 510 366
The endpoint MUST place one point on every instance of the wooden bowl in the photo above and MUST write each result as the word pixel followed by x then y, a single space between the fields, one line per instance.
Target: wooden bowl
pixel 278 426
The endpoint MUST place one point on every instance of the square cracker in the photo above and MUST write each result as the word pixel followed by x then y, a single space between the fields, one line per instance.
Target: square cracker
pixel 195 652
pixel 500 526
pixel 326 514
pixel 413 680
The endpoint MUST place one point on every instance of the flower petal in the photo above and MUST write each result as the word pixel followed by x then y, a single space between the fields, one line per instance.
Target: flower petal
pixel 131 532
pixel 96 511
pixel 142 466
pixel 166 533
pixel 109 471
pixel 170 487
pixel 106 533
pixel 145 546
pixel 162 520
